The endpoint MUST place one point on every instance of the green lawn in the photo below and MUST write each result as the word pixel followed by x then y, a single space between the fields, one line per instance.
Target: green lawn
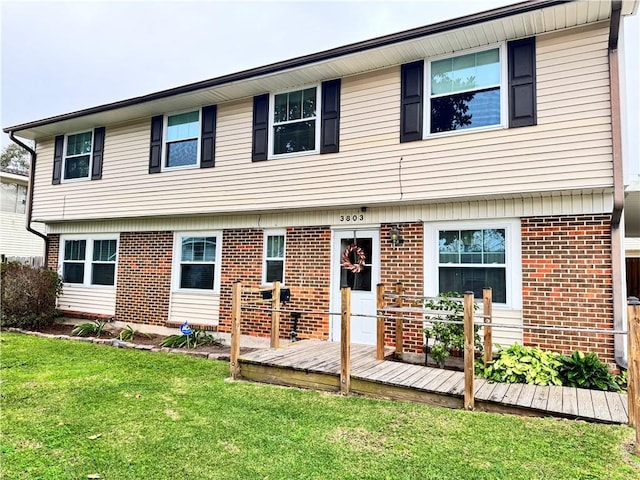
pixel 74 410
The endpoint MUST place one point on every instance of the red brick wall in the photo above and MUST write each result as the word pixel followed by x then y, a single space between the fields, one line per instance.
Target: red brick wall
pixel 566 281
pixel 242 251
pixel 53 251
pixel 307 274
pixel 404 263
pixel 144 277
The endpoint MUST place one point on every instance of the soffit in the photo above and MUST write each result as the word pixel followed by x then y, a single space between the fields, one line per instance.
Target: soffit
pixel 539 21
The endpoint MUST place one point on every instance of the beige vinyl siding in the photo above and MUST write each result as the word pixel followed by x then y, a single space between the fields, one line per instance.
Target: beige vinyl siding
pixel 16 240
pixel 100 300
pixel 507 336
pixel 569 150
pixel 195 308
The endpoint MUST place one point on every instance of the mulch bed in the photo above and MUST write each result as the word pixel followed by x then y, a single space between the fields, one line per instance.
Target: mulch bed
pixel 141 341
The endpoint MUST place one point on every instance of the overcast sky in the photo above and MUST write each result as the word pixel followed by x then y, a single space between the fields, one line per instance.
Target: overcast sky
pixel 58 57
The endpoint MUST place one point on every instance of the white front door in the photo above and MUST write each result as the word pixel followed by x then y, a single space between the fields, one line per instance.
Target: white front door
pixel 356 264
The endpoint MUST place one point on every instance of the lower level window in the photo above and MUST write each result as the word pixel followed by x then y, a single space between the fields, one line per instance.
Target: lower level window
pixel 197 262
pixel 274 257
pixel 89 260
pixel 471 260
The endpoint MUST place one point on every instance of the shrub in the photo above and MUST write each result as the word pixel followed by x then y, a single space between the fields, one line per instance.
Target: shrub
pixel 89 329
pixel 28 296
pixel 196 339
pixel 128 334
pixel 586 371
pixel 447 336
pixel 518 364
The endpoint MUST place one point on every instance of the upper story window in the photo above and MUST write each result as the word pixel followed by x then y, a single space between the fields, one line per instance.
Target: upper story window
pixel 182 139
pixel 14 197
pixel 274 256
pixel 295 122
pixel 474 90
pixel 466 91
pixel 77 155
pixel 89 260
pixel 197 262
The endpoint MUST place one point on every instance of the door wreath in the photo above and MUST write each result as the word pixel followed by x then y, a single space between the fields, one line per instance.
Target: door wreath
pixel 358 265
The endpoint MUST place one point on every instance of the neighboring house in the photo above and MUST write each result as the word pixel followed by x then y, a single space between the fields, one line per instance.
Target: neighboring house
pixel 490 144
pixel 16 242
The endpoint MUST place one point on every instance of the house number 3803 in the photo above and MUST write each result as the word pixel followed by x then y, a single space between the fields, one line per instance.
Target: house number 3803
pixel 356 217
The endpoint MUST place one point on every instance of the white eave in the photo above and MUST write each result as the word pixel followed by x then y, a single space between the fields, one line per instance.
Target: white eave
pixel 507 23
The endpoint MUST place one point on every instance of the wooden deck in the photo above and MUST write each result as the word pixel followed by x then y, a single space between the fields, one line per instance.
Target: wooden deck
pixel 316 365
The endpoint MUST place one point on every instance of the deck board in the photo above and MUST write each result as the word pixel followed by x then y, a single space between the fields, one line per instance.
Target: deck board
pixel 315 364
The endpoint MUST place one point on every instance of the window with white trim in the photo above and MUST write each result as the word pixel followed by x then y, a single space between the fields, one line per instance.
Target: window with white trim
pixel 473 255
pixel 182 139
pixel 295 121
pixel 89 260
pixel 466 91
pixel 197 262
pixel 14 197
pixel 77 156
pixel 274 257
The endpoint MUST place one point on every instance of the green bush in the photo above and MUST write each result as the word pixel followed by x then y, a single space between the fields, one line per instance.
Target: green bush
pixel 28 296
pixel 89 329
pixel 197 339
pixel 586 371
pixel 447 336
pixel 518 364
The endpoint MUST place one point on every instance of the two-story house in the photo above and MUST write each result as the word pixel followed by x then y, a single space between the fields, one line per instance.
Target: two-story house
pixel 483 151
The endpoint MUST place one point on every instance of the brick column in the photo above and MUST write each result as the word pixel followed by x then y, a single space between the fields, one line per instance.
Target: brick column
pixel 54 251
pixel 404 263
pixel 143 284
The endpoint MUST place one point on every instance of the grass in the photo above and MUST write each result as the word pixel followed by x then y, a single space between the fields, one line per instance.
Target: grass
pixel 74 410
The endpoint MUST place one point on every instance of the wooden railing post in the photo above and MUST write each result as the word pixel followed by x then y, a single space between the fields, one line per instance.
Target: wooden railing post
pixel 380 322
pixel 236 309
pixel 633 364
pixel 487 310
pixel 399 329
pixel 275 315
pixel 345 341
pixel 469 370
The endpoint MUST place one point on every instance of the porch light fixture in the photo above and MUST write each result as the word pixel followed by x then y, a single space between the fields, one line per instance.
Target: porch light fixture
pixel 395 237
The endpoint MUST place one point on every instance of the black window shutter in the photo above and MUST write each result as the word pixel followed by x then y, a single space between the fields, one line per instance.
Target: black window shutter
pixel 522 82
pixel 98 149
pixel 57 159
pixel 330 127
pixel 411 100
pixel 260 147
pixel 155 152
pixel 208 137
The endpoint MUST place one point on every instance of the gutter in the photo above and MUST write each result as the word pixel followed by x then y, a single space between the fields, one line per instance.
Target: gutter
pixel 617 269
pixel 32 173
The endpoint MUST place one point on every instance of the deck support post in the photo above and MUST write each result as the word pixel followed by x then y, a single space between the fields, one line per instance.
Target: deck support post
pixel 399 331
pixel 487 307
pixel 275 316
pixel 236 310
pixel 380 322
pixel 633 364
pixel 345 341
pixel 469 351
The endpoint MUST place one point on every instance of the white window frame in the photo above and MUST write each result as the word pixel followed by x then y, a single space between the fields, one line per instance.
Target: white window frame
pixel 513 255
pixel 504 92
pixel 265 258
pixel 165 150
pixel 176 270
pixel 88 259
pixel 20 204
pixel 318 120
pixel 63 179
